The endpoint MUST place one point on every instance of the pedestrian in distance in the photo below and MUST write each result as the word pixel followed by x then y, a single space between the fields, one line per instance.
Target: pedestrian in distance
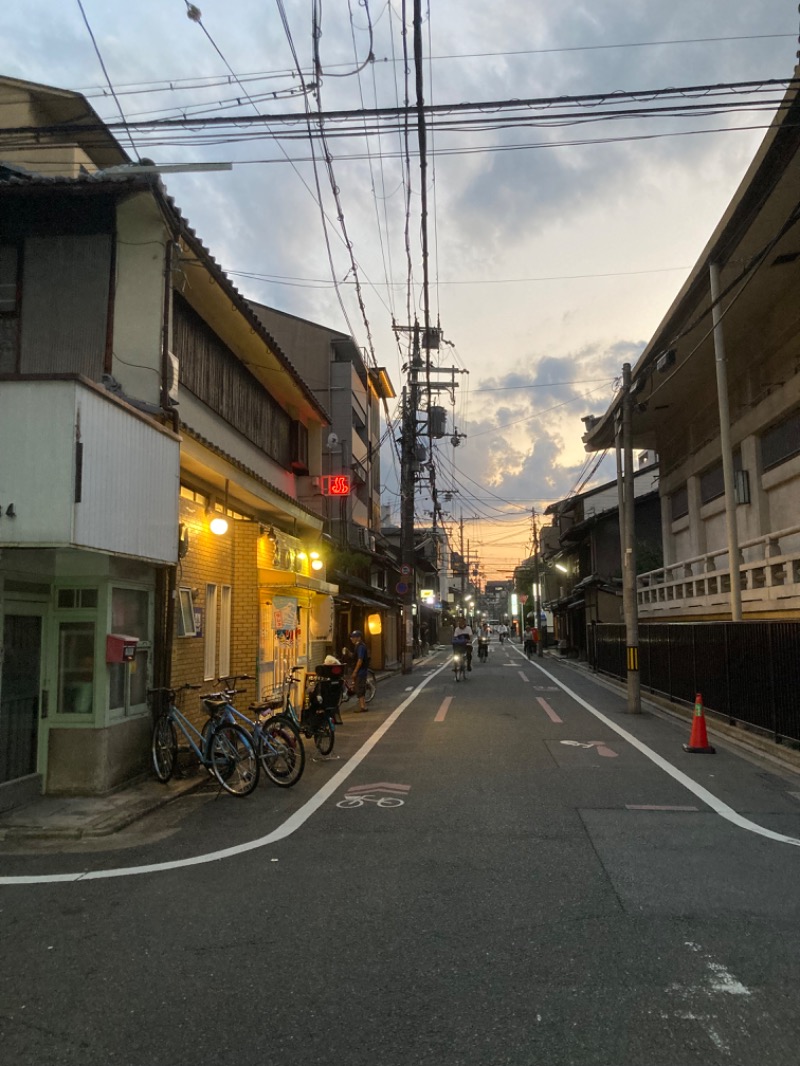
pixel 358 678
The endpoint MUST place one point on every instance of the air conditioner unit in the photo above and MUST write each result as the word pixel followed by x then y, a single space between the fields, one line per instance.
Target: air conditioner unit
pixel 173 368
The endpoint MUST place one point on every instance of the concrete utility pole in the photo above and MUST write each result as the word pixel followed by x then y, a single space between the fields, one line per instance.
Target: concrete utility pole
pixel 540 626
pixel 627 523
pixel 407 494
pixel 721 364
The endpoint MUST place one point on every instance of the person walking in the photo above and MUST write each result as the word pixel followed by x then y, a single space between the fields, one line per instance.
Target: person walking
pixel 358 678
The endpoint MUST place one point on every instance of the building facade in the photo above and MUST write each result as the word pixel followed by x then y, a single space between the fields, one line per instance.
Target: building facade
pixel 141 401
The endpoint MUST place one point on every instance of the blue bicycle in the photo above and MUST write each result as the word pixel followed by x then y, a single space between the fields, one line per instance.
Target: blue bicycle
pixel 317 719
pixel 224 748
pixel 278 743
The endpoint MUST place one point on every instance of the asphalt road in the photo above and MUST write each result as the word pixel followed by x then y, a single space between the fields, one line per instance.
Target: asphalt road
pixel 552 882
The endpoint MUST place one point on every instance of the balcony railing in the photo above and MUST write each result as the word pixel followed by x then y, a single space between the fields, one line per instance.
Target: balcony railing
pixel 768 572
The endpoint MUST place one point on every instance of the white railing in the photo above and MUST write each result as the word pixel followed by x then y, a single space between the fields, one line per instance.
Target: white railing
pixel 769 571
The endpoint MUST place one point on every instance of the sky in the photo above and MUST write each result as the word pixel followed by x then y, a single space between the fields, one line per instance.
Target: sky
pixel 555 244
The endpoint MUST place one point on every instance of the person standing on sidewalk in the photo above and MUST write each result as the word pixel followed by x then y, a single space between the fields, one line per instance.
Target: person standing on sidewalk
pixel 360 668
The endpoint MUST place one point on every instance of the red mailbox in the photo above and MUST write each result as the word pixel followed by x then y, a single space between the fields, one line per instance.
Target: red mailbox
pixel 120 649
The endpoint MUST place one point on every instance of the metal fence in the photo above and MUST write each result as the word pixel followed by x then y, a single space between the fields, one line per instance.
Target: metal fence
pixel 747 672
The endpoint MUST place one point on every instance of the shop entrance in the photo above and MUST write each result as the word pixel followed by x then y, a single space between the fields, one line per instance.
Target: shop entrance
pixel 20 694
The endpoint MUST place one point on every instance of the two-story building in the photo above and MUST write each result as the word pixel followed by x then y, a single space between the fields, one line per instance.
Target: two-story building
pixel 718 385
pixel 153 436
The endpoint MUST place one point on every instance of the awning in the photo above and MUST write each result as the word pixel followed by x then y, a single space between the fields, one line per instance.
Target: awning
pixel 363 601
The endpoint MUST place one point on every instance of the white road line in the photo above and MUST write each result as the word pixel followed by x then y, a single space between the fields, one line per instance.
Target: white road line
pixel 289 826
pixel 722 809
pixel 524 676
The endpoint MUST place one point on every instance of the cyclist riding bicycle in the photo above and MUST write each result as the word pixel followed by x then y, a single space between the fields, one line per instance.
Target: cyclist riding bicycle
pixel 462 638
pixel 483 640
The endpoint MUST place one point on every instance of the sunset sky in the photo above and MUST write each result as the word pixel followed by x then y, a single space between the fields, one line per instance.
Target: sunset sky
pixel 556 246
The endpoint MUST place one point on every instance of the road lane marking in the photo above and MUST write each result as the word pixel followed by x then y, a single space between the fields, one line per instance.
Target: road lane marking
pixel 656 807
pixel 717 805
pixel 548 710
pixel 523 675
pixel 443 709
pixel 291 825
pixel 379 786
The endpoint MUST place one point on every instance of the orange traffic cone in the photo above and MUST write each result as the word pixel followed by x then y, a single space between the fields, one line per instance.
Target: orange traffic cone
pixel 698 741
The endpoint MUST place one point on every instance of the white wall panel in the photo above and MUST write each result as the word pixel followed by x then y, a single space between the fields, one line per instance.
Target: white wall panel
pixel 130 473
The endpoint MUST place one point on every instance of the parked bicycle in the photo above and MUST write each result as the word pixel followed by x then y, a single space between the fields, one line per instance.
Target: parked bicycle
pixel 348 689
pixel 278 744
pixel 316 720
pixel 223 748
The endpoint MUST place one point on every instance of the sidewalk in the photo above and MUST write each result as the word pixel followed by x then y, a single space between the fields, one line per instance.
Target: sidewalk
pixel 750 744
pixel 81 817
pixel 76 817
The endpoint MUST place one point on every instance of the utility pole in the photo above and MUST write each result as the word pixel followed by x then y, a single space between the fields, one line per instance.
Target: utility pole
pixel 407 499
pixel 463 558
pixel 721 365
pixel 627 518
pixel 541 628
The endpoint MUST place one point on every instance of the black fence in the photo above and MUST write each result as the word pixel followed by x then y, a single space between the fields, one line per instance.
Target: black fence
pixel 747 672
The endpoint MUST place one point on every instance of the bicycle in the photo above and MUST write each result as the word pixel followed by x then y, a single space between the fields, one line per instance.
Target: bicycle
pixel 348 689
pixel 223 748
pixel 316 723
pixel 278 744
pixel 459 662
pixel 483 650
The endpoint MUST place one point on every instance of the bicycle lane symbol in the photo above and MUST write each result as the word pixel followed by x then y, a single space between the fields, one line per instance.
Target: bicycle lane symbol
pixel 382 794
pixel 599 745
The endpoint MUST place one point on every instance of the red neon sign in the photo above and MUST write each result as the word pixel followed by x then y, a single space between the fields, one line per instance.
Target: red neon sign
pixel 335 485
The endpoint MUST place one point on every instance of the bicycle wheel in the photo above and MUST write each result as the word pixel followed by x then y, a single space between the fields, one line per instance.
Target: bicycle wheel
pixel 369 694
pixel 164 747
pixel 281 751
pixel 233 760
pixel 324 736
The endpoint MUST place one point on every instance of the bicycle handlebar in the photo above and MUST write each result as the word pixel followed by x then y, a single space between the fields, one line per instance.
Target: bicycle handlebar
pixel 164 688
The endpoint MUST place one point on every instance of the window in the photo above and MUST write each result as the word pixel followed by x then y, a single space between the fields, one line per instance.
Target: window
pixel 712 484
pixel 781 442
pixel 128 682
pixel 225 631
pixel 186 622
pixel 210 657
pixel 76 667
pixel 679 503
pixel 77 599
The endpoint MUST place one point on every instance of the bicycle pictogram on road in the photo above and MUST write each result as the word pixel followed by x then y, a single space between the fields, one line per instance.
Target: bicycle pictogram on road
pixel 382 794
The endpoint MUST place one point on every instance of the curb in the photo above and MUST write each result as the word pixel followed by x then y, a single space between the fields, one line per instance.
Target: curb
pixel 737 736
